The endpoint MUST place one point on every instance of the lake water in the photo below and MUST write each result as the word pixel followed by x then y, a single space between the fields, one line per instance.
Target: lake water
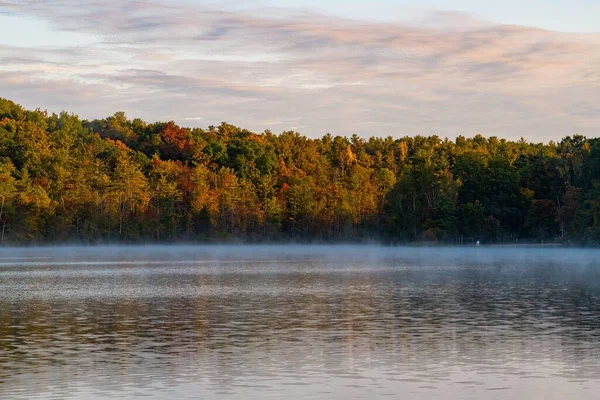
pixel 299 322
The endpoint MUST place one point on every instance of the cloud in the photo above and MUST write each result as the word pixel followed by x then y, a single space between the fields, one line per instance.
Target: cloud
pixel 448 73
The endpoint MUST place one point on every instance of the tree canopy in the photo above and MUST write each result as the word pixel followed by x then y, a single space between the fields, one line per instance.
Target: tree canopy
pixel 66 179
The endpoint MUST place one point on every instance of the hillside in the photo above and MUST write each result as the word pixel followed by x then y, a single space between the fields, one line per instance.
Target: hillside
pixel 63 179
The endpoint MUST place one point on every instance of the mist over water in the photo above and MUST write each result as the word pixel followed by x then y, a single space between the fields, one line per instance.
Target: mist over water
pixel 331 322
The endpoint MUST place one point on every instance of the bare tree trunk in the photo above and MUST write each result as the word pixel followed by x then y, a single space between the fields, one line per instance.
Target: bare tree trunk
pixel 3 224
pixel 120 218
pixel 2 206
pixel 415 215
pixel 561 219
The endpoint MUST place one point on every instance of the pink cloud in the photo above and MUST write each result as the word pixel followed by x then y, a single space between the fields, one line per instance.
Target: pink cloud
pixel 328 74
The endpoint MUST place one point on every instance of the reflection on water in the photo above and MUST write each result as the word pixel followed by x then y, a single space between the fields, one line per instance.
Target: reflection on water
pixel 301 322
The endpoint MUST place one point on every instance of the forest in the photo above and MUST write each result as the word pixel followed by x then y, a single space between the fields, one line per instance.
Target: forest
pixel 68 180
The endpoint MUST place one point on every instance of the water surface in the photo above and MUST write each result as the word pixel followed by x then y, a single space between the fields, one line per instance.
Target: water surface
pixel 305 322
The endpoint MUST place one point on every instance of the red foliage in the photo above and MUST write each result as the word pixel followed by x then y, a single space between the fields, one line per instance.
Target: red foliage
pixel 177 141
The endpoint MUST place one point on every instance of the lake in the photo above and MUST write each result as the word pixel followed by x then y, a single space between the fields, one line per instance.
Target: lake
pixel 299 322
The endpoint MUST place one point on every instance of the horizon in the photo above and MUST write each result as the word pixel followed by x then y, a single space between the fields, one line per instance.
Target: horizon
pixel 392 69
pixel 319 137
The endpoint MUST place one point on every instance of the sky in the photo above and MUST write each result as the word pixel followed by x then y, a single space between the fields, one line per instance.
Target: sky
pixel 387 68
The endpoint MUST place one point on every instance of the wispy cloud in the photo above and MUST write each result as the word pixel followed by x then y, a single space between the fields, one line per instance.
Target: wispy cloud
pixel 448 74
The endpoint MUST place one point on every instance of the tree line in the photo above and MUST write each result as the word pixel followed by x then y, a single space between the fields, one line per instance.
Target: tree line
pixel 63 179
